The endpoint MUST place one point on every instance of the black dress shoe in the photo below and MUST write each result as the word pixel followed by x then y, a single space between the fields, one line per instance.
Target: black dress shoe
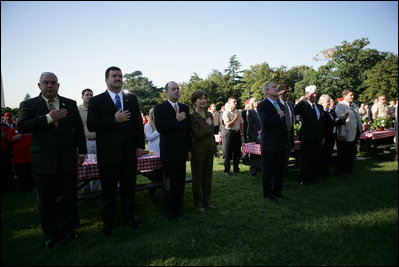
pixel 50 243
pixel 72 237
pixel 171 216
pixel 279 195
pixel 270 198
pixel 133 224
pixel 227 173
pixel 182 214
pixel 106 231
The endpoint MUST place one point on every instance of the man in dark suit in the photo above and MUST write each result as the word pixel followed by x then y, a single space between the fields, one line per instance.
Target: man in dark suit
pixel 273 140
pixel 331 121
pixel 116 118
pixel 283 97
pixel 311 135
pixel 58 144
pixel 172 121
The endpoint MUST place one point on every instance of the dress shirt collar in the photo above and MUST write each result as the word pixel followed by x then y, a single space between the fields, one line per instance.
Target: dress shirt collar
pixel 56 101
pixel 346 103
pixel 173 104
pixel 112 94
pixel 272 101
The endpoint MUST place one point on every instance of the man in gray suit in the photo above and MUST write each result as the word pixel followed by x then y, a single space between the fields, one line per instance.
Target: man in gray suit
pixel 347 133
pixel 58 145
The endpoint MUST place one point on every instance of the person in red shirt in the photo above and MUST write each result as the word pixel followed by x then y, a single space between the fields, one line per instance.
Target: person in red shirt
pixel 6 167
pixel 22 158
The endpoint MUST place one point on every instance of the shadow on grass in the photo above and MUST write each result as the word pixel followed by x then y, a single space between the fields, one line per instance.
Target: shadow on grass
pixel 349 220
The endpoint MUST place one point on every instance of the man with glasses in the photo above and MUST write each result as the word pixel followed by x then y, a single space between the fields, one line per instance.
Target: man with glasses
pixel 381 108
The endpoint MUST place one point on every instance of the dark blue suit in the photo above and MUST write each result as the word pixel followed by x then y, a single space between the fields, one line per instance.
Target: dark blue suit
pixel 311 134
pixel 273 141
pixel 174 145
pixel 116 152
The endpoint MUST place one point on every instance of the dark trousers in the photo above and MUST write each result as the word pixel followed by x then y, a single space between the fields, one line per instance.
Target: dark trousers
pixel 325 159
pixel 346 155
pixel 232 149
pixel 126 176
pixel 175 173
pixel 201 170
pixel 7 180
pixel 309 162
pixel 24 176
pixel 57 198
pixel 272 172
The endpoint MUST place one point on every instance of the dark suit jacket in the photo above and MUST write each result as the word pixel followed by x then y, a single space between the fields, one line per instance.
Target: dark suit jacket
pixel 251 125
pixel 329 124
pixel 273 137
pixel 312 130
pixel 48 143
pixel 113 138
pixel 290 134
pixel 175 137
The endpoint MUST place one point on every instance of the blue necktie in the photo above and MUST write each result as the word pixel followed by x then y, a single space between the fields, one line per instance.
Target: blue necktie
pixel 118 102
pixel 314 109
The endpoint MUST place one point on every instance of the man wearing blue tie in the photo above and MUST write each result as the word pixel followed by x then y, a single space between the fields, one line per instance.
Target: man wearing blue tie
pixel 312 135
pixel 116 118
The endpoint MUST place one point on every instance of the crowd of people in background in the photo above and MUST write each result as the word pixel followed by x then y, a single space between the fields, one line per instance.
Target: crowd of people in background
pixel 50 138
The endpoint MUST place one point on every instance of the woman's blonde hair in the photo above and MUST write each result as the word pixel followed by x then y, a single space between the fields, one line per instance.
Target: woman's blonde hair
pixel 323 98
pixel 251 103
pixel 151 119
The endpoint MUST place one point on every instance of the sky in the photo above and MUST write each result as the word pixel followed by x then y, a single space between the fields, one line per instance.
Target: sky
pixel 170 41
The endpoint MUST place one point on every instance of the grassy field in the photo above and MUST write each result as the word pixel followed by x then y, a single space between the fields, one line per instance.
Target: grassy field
pixel 351 220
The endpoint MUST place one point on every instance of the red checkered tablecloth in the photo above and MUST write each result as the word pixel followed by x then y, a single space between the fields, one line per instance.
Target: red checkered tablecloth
pixel 378 134
pixel 254 148
pixel 149 162
pixel 90 170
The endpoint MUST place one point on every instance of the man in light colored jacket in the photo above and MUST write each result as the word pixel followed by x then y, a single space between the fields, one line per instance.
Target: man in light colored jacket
pixel 348 133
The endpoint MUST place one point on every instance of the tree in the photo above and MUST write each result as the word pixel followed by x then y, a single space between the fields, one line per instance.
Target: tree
pixel 346 67
pixel 147 94
pixel 310 77
pixel 382 78
pixel 254 79
pixel 233 77
pixel 27 96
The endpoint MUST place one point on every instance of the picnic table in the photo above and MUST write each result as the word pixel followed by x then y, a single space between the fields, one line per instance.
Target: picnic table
pixel 90 171
pixel 377 139
pixel 251 155
pixel 254 148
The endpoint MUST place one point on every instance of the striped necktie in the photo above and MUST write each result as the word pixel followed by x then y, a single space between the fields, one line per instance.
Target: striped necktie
pixel 51 107
pixel 51 103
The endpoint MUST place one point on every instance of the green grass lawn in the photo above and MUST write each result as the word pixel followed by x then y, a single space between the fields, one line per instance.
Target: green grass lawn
pixel 351 220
